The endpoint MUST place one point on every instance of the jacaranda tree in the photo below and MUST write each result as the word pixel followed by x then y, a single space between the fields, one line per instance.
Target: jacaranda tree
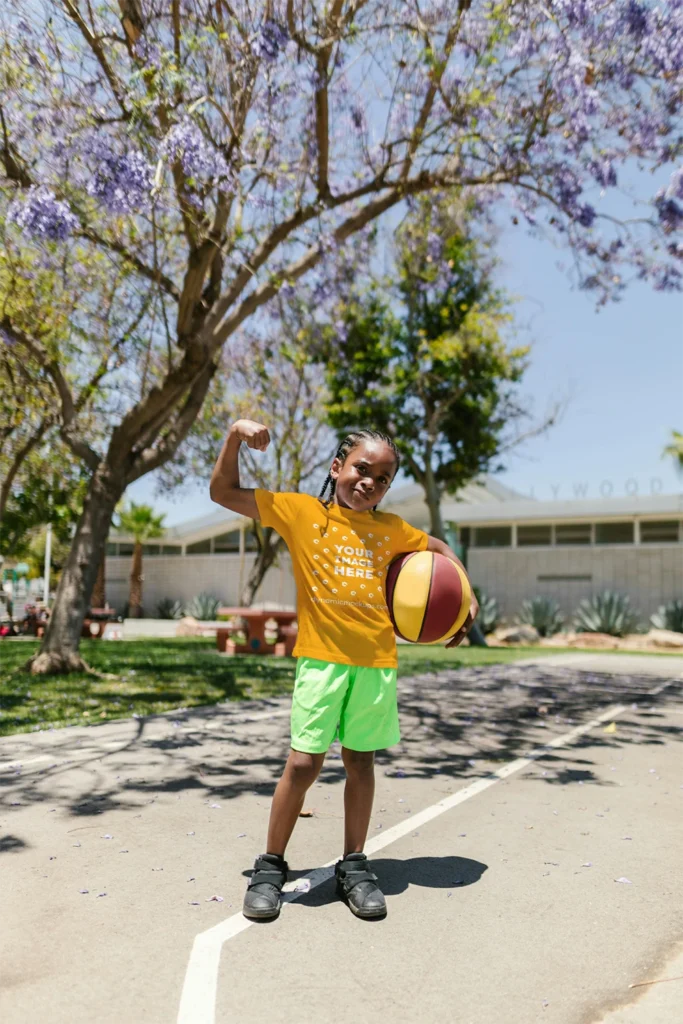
pixel 220 150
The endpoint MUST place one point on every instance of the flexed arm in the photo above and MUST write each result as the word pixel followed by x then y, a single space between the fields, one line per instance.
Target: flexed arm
pixel 225 487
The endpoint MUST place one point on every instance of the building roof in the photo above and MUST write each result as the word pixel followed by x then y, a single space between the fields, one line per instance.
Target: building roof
pixel 407 501
pixel 647 506
pixel 484 501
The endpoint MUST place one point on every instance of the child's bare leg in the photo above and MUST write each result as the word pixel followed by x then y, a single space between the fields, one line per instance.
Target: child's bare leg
pixel 359 793
pixel 300 773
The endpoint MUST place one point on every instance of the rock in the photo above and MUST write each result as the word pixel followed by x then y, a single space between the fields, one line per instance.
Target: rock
pixel 517 635
pixel 665 638
pixel 188 626
pixel 600 640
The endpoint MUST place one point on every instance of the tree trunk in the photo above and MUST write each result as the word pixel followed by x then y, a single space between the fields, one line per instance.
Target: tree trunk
pixel 433 499
pixel 99 594
pixel 135 599
pixel 271 545
pixel 59 649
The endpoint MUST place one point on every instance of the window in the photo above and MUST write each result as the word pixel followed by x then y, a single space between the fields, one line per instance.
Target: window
pixel 227 542
pixel 663 532
pixel 202 547
pixel 464 535
pixel 493 537
pixel 151 549
pixel 112 549
pixel 614 533
pixel 573 533
pixel 170 549
pixel 125 549
pixel 533 536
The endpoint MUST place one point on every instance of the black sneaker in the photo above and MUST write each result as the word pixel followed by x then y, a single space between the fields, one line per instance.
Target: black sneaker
pixel 262 898
pixel 358 887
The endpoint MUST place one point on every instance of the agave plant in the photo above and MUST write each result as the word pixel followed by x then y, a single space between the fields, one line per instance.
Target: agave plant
pixel 543 614
pixel 669 616
pixel 608 612
pixel 169 609
pixel 203 607
pixel 489 612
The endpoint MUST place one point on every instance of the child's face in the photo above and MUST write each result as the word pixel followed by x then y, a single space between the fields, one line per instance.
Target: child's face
pixel 365 477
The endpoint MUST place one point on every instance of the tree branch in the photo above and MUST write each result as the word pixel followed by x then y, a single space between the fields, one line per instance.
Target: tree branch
pixel 19 459
pixel 152 458
pixel 94 44
pixel 67 406
pixel 156 276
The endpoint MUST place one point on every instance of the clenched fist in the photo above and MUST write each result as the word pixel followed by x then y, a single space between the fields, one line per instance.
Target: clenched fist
pixel 254 435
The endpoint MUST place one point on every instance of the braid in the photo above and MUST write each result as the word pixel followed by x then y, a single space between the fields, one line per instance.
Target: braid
pixel 345 448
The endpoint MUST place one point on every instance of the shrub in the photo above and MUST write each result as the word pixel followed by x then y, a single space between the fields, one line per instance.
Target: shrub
pixel 543 614
pixel 608 612
pixel 203 607
pixel 170 609
pixel 669 616
pixel 489 613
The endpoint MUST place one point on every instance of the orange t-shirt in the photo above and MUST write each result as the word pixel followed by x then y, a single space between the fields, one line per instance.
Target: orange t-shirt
pixel 340 558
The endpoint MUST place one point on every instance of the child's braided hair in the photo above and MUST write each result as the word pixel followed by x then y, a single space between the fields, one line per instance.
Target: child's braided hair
pixel 345 448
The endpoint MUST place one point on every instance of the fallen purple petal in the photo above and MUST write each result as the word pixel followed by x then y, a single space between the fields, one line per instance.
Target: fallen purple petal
pixel 626 881
pixel 101 894
pixel 189 833
pixel 194 903
pixel 214 899
pixel 217 806
pixel 241 835
pixel 106 836
pixel 588 864
pixel 84 890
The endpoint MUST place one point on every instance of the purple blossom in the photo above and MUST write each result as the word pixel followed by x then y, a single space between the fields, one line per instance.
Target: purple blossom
pixel 585 215
pixel 604 172
pixel 636 18
pixel 670 213
pixel 122 182
pixel 434 246
pixel 199 159
pixel 42 216
pixel 269 41
pixel 675 189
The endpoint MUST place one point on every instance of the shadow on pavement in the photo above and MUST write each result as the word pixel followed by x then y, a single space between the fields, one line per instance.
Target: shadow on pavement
pixel 12 844
pixel 395 876
pixel 456 724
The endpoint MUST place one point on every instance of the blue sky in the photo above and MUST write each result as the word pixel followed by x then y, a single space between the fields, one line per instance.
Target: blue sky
pixel 619 370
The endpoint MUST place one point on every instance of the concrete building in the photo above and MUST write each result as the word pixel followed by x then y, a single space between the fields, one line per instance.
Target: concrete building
pixel 514 547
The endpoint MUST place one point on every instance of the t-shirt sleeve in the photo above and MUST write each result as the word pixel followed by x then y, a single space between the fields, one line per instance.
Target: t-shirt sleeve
pixel 409 538
pixel 279 509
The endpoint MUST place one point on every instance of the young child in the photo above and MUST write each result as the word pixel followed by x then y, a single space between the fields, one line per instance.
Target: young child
pixel 341 546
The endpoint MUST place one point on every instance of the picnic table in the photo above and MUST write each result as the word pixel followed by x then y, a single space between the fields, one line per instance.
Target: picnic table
pixel 253 622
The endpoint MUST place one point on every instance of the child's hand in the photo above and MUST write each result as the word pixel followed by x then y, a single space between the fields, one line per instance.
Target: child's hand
pixel 254 435
pixel 467 624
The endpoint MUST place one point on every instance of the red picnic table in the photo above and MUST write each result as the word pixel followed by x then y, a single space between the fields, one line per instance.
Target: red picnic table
pixel 254 620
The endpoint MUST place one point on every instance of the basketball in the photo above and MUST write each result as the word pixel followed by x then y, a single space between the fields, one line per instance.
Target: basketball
pixel 428 597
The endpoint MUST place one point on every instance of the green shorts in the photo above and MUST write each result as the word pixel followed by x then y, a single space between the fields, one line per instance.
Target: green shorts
pixel 360 702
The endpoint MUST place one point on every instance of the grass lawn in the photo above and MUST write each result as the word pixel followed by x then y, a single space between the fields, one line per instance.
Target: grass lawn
pixel 149 676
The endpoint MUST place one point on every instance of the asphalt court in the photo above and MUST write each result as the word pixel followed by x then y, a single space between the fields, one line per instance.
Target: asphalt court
pixel 505 906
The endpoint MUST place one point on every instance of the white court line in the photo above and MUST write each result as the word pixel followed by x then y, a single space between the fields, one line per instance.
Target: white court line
pixel 198 997
pixel 84 754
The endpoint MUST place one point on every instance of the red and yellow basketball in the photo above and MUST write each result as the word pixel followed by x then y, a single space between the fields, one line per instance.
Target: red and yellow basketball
pixel 428 597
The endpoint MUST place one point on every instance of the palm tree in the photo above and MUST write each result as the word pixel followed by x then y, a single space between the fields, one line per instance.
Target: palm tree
pixel 140 522
pixel 675 449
